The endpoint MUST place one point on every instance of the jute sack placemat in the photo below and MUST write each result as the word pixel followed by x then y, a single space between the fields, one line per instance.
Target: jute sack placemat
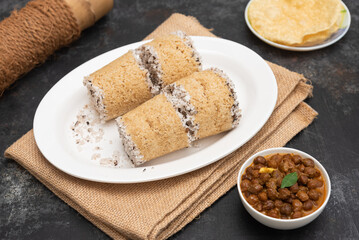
pixel 157 210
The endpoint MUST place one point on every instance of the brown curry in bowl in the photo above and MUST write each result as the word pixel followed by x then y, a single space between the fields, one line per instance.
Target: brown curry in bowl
pixel 284 186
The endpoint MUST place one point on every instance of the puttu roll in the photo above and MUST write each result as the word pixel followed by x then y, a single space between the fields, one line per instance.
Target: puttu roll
pixel 169 58
pixel 140 74
pixel 153 129
pixel 214 98
pixel 119 86
pixel 200 105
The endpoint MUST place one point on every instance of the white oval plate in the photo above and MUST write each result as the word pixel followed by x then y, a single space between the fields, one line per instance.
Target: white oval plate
pixel 331 40
pixel 257 94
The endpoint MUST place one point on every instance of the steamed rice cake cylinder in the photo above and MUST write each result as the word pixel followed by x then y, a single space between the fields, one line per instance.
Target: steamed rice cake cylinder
pixel 169 58
pixel 152 129
pixel 197 106
pixel 213 96
pixel 119 86
pixel 140 74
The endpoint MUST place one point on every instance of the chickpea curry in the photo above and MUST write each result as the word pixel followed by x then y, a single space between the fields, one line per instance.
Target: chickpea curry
pixel 284 186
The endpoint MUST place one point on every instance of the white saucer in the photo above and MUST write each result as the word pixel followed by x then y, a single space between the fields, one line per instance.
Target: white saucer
pixel 333 39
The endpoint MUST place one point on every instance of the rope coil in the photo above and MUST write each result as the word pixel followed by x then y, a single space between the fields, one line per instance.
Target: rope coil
pixel 32 34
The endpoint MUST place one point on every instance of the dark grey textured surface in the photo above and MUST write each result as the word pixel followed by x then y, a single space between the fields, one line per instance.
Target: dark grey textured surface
pixel 30 210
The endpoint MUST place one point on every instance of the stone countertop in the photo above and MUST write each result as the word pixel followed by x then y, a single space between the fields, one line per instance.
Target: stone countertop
pixel 30 210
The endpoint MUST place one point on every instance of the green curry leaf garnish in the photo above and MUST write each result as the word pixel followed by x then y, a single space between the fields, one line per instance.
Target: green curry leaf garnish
pixel 289 180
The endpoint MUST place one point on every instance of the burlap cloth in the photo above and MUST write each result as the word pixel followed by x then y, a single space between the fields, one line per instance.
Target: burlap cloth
pixel 157 210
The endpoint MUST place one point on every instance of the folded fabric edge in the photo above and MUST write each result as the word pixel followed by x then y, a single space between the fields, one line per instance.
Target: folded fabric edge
pixel 178 21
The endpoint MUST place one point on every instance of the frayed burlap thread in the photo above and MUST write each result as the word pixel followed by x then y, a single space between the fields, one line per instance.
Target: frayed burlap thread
pixel 157 210
pixel 29 36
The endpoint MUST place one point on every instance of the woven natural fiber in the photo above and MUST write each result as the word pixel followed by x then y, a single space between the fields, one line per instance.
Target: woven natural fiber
pixel 32 34
pixel 157 210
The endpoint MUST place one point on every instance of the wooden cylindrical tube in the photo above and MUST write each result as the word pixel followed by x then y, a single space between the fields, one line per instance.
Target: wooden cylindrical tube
pixel 87 12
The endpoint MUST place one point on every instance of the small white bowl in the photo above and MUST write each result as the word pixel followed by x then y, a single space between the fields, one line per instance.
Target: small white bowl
pixel 283 224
